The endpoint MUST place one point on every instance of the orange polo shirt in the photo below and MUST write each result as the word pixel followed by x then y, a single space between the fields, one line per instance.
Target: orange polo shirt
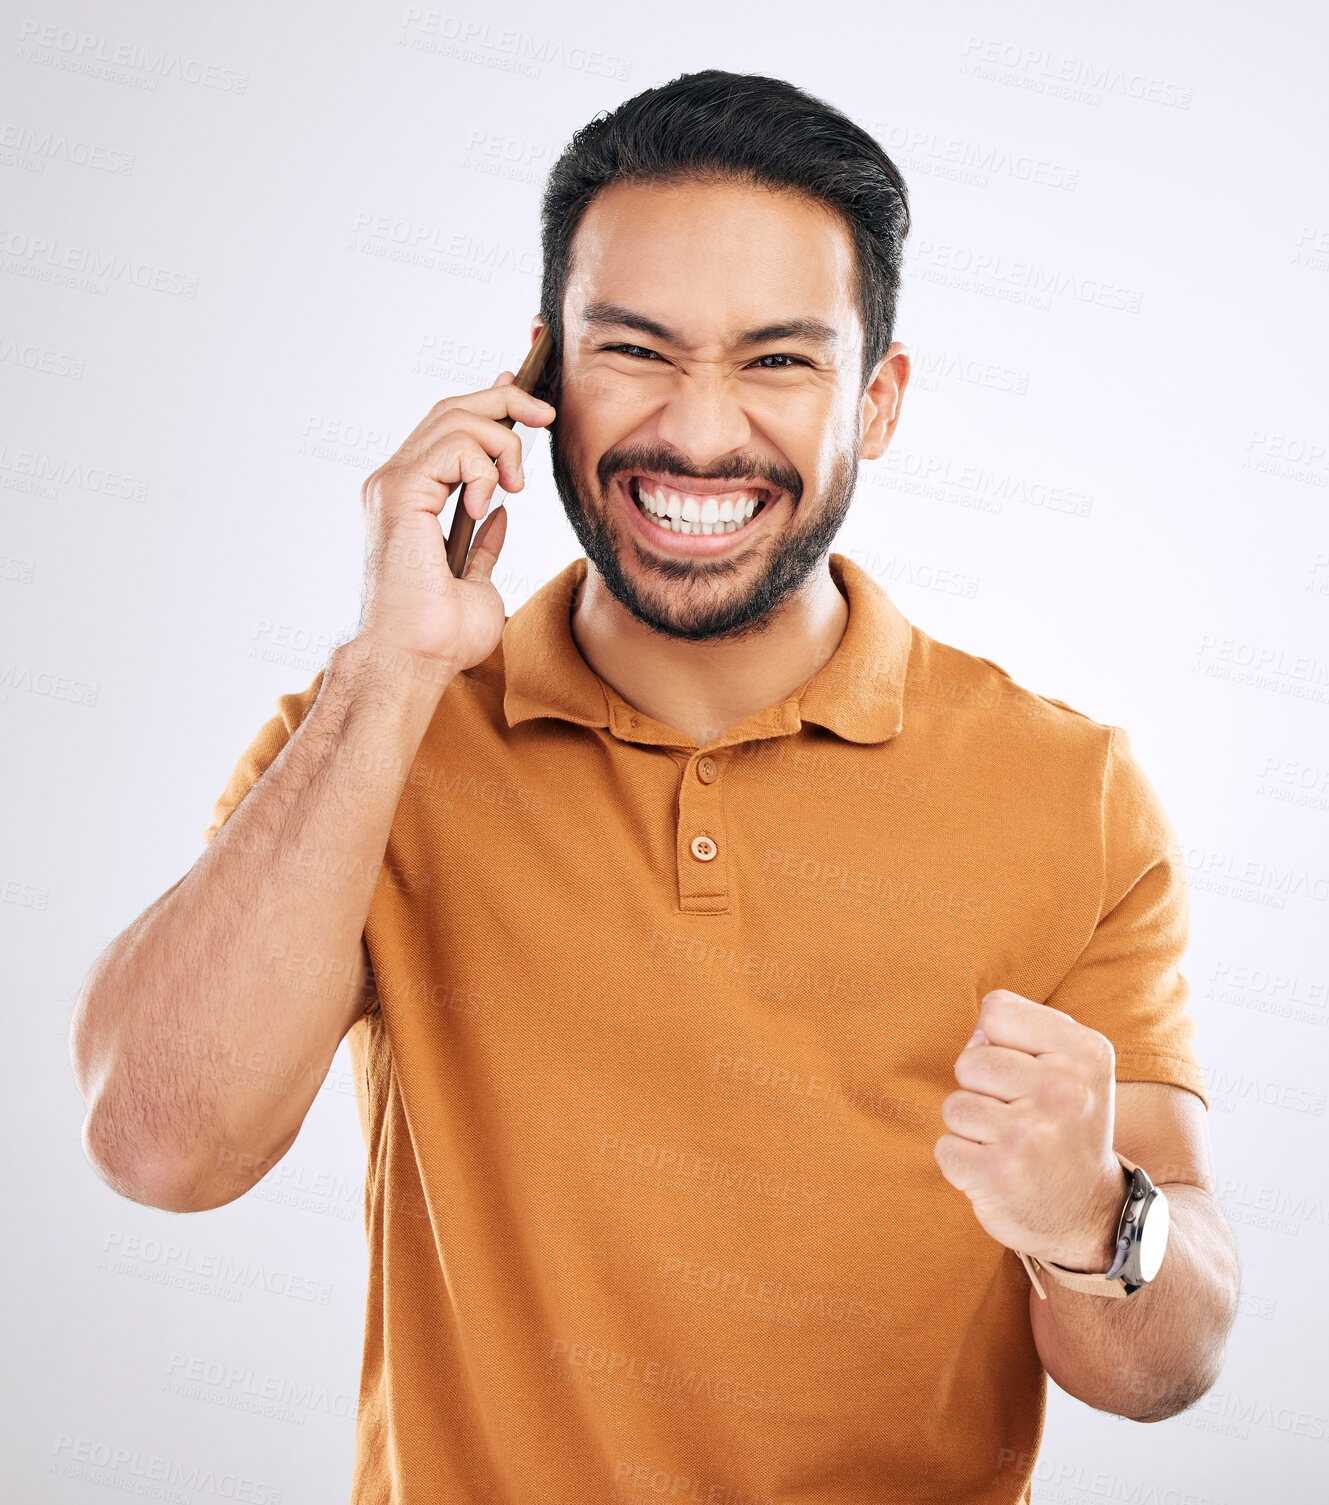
pixel 651 1095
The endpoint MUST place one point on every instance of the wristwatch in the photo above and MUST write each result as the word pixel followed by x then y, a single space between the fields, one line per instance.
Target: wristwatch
pixel 1141 1241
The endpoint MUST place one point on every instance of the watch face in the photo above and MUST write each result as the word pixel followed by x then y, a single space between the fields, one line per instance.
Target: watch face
pixel 1153 1237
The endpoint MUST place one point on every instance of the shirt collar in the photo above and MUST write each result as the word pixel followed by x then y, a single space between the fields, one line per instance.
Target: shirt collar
pixel 858 693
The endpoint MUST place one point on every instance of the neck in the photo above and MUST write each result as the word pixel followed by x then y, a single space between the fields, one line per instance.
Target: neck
pixel 702 689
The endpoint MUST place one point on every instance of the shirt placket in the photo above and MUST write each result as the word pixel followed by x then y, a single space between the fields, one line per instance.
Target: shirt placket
pixel 701 845
pixel 702 849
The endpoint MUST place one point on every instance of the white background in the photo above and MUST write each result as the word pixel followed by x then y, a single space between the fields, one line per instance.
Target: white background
pixel 1115 489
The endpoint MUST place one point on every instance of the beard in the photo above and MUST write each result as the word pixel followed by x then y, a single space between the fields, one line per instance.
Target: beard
pixel 691 603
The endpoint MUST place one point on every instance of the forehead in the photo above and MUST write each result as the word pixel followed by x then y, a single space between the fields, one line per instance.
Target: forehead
pixel 709 259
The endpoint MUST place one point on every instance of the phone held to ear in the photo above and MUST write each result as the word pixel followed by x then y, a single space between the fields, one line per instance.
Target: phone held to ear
pixel 528 378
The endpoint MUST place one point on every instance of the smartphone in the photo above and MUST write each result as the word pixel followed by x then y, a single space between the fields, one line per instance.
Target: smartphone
pixel 531 377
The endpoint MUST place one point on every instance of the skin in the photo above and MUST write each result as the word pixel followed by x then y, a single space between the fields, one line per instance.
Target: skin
pixel 699 644
pixel 1032 1133
pixel 727 636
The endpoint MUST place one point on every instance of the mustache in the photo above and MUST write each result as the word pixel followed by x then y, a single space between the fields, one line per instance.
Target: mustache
pixel 619 460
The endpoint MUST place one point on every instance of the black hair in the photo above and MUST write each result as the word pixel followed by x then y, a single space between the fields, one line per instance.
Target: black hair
pixel 715 126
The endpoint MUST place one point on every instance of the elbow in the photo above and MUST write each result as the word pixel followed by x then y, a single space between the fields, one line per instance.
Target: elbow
pixel 140 1174
pixel 128 1140
pixel 87 1048
pixel 1163 1397
pixel 1199 1382
pixel 1143 1395
pixel 1175 1399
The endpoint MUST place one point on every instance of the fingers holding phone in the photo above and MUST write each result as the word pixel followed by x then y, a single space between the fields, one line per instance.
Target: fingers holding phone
pixel 411 599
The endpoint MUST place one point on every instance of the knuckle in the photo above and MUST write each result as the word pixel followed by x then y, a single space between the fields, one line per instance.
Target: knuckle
pixel 1038 1134
pixel 943 1152
pixel 1102 1049
pixel 382 481
pixel 371 493
pixel 1003 1163
pixel 956 1110
pixel 992 1011
pixel 1062 1092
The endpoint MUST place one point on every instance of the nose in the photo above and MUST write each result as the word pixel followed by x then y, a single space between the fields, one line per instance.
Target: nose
pixel 702 418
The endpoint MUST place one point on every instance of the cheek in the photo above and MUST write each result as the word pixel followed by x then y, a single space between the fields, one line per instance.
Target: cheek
pixel 821 465
pixel 577 453
pixel 589 387
pixel 814 437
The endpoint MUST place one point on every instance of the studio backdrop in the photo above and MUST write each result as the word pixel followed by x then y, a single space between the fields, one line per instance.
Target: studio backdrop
pixel 244 248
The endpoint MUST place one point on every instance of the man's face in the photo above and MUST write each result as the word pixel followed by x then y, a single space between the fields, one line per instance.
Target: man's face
pixel 669 401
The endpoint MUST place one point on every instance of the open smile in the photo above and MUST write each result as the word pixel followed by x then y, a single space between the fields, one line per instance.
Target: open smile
pixel 704 520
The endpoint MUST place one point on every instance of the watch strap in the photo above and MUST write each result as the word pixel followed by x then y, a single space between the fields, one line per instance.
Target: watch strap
pixel 1107 1284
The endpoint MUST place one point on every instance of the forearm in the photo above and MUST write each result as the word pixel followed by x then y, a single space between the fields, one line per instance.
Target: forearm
pixel 199 1040
pixel 1157 1351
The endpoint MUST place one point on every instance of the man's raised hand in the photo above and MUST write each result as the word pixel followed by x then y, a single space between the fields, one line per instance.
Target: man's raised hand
pixel 1030 1140
pixel 412 600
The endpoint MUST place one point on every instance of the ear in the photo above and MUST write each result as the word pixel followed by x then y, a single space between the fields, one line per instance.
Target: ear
pixel 881 402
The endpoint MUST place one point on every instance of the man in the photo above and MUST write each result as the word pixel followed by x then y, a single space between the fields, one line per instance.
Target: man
pixel 758 1008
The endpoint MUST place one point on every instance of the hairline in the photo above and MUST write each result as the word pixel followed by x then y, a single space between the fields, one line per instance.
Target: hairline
pixel 714 175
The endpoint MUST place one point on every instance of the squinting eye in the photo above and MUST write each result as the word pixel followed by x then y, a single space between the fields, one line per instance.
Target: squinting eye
pixel 640 351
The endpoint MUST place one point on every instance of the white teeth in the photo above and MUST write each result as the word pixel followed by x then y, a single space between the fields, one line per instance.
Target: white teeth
pixel 684 513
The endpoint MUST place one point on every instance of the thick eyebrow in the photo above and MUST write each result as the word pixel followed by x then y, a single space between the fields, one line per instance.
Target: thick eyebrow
pixel 618 315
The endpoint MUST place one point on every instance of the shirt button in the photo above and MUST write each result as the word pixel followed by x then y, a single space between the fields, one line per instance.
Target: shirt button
pixel 703 848
pixel 706 770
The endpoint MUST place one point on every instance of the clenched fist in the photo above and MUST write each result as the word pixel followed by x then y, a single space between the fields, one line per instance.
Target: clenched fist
pixel 1030 1140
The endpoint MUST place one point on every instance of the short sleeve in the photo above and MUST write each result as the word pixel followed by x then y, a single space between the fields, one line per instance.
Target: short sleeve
pixel 272 736
pixel 1127 983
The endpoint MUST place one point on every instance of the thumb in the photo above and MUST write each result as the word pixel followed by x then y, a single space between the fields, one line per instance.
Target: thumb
pixel 486 546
